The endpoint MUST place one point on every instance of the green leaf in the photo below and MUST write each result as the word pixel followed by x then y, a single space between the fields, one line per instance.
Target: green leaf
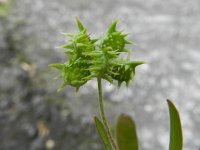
pixel 103 134
pixel 126 133
pixel 176 138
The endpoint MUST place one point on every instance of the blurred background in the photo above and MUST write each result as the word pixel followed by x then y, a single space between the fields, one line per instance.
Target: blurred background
pixel 33 116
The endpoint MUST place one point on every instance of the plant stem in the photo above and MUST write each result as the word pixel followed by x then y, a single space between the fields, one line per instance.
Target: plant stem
pixel 102 114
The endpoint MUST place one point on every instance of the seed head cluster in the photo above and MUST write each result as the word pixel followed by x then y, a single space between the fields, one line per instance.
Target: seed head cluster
pixel 96 58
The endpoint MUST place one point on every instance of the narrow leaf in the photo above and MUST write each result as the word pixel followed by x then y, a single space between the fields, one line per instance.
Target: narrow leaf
pixel 176 139
pixel 103 134
pixel 126 133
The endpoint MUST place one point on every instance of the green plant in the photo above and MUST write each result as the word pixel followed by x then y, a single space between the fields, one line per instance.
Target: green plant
pixel 4 7
pixel 97 58
pixel 100 58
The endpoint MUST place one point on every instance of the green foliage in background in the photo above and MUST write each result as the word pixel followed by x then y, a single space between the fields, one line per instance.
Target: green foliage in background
pixel 4 7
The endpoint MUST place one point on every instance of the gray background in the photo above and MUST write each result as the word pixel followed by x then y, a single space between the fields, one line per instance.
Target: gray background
pixel 33 116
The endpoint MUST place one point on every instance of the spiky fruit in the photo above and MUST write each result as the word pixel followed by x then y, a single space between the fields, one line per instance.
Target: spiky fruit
pixel 125 72
pixel 79 43
pixel 75 72
pixel 102 63
pixel 96 58
pixel 115 39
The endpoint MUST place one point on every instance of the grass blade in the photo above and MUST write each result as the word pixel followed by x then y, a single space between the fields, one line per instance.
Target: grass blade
pixel 176 138
pixel 126 133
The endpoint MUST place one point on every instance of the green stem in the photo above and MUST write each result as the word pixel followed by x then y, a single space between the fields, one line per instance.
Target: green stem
pixel 102 113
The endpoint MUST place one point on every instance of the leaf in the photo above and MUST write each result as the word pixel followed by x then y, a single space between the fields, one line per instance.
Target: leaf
pixel 176 138
pixel 126 133
pixel 103 134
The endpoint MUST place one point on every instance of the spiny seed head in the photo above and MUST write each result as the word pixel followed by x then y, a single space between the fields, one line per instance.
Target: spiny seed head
pixel 96 58
pixel 125 72
pixel 79 43
pixel 103 62
pixel 115 39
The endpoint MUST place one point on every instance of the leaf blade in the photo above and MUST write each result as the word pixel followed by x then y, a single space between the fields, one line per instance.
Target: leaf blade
pixel 103 134
pixel 176 138
pixel 126 133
